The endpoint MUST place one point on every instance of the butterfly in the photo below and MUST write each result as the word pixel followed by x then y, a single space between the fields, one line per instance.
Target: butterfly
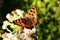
pixel 29 20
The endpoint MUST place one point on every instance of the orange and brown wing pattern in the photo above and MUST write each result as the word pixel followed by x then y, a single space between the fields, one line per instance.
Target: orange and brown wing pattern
pixel 29 19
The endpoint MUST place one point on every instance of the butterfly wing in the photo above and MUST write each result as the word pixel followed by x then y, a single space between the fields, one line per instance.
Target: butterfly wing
pixel 33 13
pixel 30 19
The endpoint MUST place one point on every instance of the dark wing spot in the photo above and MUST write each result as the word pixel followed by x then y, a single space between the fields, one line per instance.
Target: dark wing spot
pixel 31 11
pixel 15 20
pixel 18 19
pixel 32 14
pixel 33 8
pixel 34 11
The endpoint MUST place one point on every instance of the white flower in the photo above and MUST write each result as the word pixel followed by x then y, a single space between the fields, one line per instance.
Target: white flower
pixel 20 12
pixel 5 24
pixel 29 30
pixel 27 33
pixel 9 35
pixel 15 38
pixel 9 17
pixel 33 30
pixel 23 36
pixel 5 39
pixel 28 38
pixel 15 15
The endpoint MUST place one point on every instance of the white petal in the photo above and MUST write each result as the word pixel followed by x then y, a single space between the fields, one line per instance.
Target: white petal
pixel 33 30
pixel 23 36
pixel 5 39
pixel 26 30
pixel 4 26
pixel 19 12
pixel 6 22
pixel 8 16
pixel 28 38
pixel 9 35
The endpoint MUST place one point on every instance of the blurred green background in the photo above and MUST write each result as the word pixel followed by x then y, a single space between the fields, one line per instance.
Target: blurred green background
pixel 48 27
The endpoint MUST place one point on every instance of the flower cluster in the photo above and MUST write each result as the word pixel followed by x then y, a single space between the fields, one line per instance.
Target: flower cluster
pixel 17 34
pixel 28 34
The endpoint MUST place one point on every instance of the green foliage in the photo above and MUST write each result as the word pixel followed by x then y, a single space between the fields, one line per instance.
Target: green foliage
pixel 48 27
